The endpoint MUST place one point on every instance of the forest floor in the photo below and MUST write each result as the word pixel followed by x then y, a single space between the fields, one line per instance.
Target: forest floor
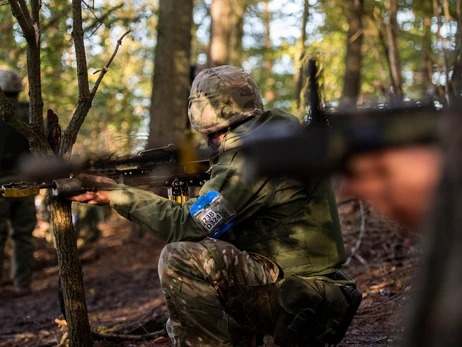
pixel 123 292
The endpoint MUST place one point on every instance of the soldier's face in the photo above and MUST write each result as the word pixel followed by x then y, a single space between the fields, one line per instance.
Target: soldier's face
pixel 399 182
pixel 214 140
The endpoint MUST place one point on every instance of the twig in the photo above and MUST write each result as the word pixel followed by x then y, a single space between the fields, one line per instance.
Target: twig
pixel 63 340
pixel 120 337
pixel 8 116
pixel 84 105
pixel 105 69
pixel 389 301
pixel 362 229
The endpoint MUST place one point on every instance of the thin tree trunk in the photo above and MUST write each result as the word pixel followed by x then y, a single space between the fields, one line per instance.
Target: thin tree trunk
pixel 299 62
pixel 427 72
pixel 171 72
pixel 70 273
pixel 238 8
pixel 383 85
pixel 436 14
pixel 220 11
pixel 392 39
pixel 352 80
pixel 456 81
pixel 269 92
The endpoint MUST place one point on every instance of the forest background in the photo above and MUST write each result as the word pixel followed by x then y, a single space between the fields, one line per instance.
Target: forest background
pixel 370 51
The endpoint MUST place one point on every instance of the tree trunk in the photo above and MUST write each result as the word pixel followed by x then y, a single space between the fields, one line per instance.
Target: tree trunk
pixel 169 102
pixel 238 8
pixel 427 72
pixel 299 62
pixel 269 92
pixel 70 273
pixel 220 11
pixel 393 52
pixel 436 14
pixel 352 80
pixel 456 80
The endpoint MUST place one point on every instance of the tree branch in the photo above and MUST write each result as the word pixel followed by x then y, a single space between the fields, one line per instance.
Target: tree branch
pixel 8 116
pixel 83 106
pixel 77 35
pixel 35 10
pixel 31 32
pixel 104 70
pixel 21 13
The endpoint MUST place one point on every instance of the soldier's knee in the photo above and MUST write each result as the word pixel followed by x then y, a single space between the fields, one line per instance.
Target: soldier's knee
pixel 168 251
pixel 168 255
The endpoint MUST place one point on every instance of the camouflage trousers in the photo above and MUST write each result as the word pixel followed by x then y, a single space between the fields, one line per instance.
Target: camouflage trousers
pixel 20 212
pixel 206 282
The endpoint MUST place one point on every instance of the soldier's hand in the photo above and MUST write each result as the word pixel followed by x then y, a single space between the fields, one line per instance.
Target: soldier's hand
pixel 98 197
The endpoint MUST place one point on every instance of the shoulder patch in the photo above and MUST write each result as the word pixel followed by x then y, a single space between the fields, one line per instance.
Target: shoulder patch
pixel 213 213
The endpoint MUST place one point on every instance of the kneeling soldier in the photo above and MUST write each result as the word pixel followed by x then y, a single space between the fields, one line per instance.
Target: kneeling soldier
pixel 265 255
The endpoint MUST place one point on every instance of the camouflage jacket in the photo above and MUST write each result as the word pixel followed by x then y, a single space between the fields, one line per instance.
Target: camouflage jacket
pixel 294 224
pixel 12 143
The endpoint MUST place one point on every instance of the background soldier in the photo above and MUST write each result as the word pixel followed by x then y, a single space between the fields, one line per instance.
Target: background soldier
pixel 17 213
pixel 265 255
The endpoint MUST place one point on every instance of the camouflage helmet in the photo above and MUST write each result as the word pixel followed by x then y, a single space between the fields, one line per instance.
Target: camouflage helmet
pixel 10 81
pixel 222 96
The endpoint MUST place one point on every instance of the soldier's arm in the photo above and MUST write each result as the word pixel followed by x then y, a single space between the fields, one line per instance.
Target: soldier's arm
pixel 171 221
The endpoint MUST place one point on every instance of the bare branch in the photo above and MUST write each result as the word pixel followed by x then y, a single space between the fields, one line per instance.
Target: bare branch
pixel 77 35
pixel 106 67
pixel 35 10
pixel 8 116
pixel 31 31
pixel 84 105
pixel 100 21
pixel 21 13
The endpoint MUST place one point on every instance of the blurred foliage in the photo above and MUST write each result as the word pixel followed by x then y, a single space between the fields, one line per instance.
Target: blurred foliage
pixel 119 118
pixel 120 111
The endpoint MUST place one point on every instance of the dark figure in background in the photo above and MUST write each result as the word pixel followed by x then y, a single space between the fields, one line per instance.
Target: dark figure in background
pixel 17 214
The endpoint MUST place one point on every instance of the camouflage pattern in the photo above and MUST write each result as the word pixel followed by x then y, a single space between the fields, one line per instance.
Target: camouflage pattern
pixel 221 97
pixel 202 280
pixel 19 212
pixel 289 223
pixel 86 219
pixel 10 81
pixel 12 143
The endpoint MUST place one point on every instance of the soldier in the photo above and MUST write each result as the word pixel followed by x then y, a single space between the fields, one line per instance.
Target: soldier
pixel 19 212
pixel 265 255
pixel 400 182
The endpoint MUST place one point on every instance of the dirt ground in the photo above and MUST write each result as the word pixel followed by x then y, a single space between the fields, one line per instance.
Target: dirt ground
pixel 122 285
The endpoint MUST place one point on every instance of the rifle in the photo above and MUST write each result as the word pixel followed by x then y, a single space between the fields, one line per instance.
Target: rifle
pixel 157 167
pixel 275 150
